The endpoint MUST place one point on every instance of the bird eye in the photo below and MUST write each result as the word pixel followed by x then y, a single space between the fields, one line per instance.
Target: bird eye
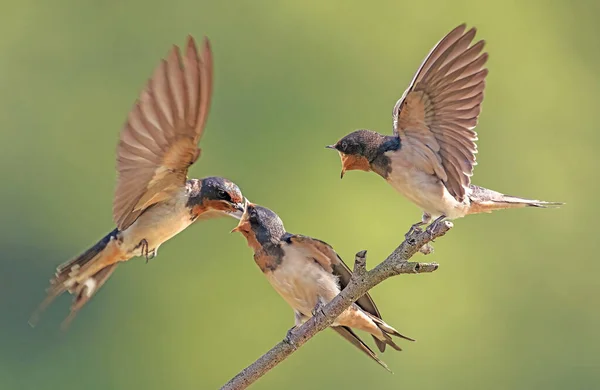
pixel 221 194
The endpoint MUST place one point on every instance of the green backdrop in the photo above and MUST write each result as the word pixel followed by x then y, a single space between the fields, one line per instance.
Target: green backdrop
pixel 514 303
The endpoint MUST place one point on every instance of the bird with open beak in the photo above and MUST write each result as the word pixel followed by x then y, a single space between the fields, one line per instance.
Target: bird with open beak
pixel 154 199
pixel 430 157
pixel 308 274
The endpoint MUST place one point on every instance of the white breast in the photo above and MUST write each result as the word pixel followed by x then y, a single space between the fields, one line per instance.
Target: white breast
pixel 423 189
pixel 159 223
pixel 301 281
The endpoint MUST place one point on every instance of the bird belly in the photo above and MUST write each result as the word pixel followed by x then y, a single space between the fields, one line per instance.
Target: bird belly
pixel 156 225
pixel 301 283
pixel 426 191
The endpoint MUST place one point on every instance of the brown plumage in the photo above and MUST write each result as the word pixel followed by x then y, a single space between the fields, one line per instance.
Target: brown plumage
pixel 154 200
pixel 431 156
pixel 441 106
pixel 160 139
pixel 307 273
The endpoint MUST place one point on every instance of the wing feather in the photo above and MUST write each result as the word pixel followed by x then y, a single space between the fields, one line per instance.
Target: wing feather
pixel 159 141
pixel 436 115
pixel 331 262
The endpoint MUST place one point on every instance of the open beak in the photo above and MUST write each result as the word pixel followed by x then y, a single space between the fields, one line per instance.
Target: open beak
pixel 238 210
pixel 243 218
pixel 346 161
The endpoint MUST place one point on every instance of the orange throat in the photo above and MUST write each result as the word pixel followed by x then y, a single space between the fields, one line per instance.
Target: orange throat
pixel 353 162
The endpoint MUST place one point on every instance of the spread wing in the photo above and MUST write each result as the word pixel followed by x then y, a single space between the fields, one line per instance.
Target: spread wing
pixel 159 142
pixel 436 115
pixel 331 262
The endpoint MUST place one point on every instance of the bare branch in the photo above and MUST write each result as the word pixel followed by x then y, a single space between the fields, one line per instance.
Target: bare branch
pixel 361 282
pixel 360 264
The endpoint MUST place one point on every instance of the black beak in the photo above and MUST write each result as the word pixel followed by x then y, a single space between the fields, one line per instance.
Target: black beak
pixel 330 147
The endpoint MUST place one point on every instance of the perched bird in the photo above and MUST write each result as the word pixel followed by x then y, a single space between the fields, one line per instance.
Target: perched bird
pixel 308 274
pixel 430 157
pixel 154 199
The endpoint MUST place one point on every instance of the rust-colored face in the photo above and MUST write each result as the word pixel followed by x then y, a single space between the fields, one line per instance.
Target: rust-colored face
pixel 244 225
pixel 216 208
pixel 353 162
pixel 221 196
pixel 245 228
pixel 220 205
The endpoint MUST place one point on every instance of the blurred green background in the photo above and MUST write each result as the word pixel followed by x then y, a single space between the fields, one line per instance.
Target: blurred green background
pixel 514 303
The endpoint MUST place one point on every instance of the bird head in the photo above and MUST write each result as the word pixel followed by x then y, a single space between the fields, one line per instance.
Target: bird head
pixel 222 196
pixel 357 150
pixel 260 226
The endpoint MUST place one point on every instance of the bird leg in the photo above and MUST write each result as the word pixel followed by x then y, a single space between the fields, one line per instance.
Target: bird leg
pixel 416 227
pixel 434 224
pixel 146 252
pixel 288 336
pixel 318 307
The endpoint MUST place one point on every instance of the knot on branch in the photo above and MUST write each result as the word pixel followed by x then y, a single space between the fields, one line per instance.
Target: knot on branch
pixel 360 265
pixel 414 268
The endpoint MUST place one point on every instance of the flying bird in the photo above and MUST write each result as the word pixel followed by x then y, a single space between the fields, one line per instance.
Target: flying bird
pixel 430 157
pixel 154 199
pixel 308 274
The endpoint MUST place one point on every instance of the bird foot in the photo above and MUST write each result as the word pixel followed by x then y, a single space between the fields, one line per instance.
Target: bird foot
pixel 318 308
pixel 146 252
pixel 432 226
pixel 288 337
pixel 415 228
pixel 151 255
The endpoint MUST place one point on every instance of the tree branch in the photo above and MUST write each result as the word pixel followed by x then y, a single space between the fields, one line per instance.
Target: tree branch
pixel 360 283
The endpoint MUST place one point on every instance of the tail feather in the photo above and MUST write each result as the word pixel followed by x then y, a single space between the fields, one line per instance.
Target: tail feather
pixel 349 335
pixel 387 332
pixel 84 258
pixel 65 280
pixel 484 200
pixel 86 291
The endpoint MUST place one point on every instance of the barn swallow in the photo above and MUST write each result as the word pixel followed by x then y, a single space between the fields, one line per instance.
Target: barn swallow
pixel 154 199
pixel 308 274
pixel 430 157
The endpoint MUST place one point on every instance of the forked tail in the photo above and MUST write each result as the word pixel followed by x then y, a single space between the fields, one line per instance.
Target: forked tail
pixel 386 338
pixel 484 200
pixel 68 278
pixel 387 332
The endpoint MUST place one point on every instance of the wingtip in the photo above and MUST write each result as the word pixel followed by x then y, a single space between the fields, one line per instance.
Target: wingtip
pixel 470 32
pixel 387 368
pixel 383 364
pixel 191 41
pixel 462 26
pixel 192 46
